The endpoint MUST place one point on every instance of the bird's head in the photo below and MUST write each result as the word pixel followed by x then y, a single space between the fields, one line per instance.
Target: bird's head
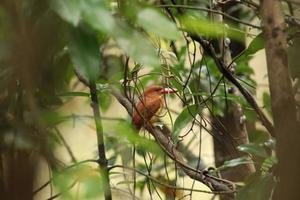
pixel 156 90
pixel 149 104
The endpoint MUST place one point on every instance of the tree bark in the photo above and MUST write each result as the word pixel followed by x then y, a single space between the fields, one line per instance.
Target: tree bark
pixel 282 100
pixel 100 141
pixel 235 132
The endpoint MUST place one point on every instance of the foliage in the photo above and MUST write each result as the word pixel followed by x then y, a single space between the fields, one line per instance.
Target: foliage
pixel 128 45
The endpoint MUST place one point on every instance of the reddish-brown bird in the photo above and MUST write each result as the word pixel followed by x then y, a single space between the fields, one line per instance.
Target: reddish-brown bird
pixel 149 104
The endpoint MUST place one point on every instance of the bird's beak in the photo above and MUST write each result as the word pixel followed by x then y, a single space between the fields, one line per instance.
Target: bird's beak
pixel 168 90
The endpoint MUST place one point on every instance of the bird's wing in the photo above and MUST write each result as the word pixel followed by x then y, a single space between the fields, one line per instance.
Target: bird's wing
pixel 148 107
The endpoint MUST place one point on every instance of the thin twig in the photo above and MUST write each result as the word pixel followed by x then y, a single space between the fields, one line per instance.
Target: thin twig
pixel 61 193
pixel 67 146
pixel 214 183
pixel 224 70
pixel 67 168
pixel 100 140
pixel 167 185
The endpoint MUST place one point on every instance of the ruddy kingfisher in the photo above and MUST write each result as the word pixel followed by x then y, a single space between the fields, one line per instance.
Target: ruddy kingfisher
pixel 149 104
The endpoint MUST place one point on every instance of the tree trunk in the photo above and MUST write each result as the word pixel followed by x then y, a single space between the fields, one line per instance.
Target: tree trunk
pixel 235 132
pixel 282 100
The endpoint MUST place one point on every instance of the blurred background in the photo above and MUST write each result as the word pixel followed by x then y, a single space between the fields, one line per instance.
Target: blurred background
pixel 57 56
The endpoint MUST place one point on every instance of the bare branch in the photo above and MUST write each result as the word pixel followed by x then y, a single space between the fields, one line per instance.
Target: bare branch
pixel 214 183
pixel 100 139
pixel 224 70
pixel 164 184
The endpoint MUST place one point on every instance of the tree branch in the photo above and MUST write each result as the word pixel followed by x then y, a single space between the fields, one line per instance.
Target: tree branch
pixel 224 70
pixel 101 149
pixel 100 139
pixel 214 183
pixel 164 184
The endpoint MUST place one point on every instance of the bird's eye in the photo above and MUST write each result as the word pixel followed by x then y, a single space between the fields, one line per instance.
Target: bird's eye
pixel 160 90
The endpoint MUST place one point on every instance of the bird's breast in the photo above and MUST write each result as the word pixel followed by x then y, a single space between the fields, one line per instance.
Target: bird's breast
pixel 145 109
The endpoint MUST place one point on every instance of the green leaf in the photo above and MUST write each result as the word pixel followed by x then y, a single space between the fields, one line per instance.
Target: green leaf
pixel 104 100
pixel 125 130
pixel 115 73
pixel 186 116
pixel 268 163
pixel 202 26
pixel 85 53
pixel 136 45
pixel 136 68
pixel 153 21
pixel 98 16
pixel 256 44
pixel 86 176
pixel 267 102
pixel 53 118
pixel 69 10
pixel 92 186
pixel 254 149
pixel 243 66
pixel 270 143
pixel 175 83
pixel 259 188
pixel 250 114
pixel 234 163
pixel 65 179
pixel 258 136
pixel 102 87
